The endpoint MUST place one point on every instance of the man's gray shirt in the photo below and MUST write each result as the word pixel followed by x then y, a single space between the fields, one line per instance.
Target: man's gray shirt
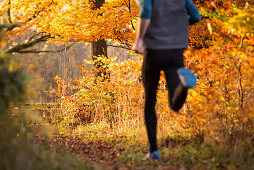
pixel 169 25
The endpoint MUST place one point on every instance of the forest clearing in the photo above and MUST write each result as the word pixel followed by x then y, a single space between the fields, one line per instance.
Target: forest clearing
pixel 71 92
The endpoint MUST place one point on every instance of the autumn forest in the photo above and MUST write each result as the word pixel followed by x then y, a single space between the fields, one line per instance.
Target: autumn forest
pixel 71 92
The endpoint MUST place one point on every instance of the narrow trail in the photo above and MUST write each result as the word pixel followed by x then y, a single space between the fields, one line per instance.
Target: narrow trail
pixel 99 154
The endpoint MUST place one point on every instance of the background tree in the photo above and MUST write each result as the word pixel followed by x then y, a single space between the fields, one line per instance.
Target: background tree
pixel 71 21
pixel 18 25
pixel 99 47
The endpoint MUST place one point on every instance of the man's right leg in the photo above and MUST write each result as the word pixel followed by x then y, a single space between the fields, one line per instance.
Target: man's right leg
pixel 176 91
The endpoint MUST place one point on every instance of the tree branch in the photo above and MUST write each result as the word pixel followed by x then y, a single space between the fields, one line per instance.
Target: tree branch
pixel 32 37
pixel 124 47
pixel 9 26
pixel 20 47
pixel 46 51
pixel 9 12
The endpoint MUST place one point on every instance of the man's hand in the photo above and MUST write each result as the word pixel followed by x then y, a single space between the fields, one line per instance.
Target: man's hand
pixel 141 30
pixel 138 46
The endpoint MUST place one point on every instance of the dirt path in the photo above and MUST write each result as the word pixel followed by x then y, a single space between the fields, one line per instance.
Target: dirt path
pixel 97 153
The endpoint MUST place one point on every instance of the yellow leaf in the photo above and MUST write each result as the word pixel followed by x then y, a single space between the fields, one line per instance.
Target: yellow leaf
pixel 210 29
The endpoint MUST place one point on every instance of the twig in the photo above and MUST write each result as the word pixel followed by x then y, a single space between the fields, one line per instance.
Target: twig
pixel 124 47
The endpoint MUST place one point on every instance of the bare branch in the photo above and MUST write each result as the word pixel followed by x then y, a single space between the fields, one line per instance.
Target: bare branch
pixel 9 26
pixel 117 46
pixel 20 47
pixel 46 51
pixel 32 37
pixel 9 12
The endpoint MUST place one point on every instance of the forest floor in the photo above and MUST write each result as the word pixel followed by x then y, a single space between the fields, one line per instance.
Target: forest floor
pixel 101 154
pixel 121 153
pixel 100 147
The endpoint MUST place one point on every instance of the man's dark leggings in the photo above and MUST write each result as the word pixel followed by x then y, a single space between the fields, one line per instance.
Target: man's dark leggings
pixel 155 61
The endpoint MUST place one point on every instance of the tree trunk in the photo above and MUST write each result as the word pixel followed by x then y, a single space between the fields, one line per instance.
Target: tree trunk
pixel 99 47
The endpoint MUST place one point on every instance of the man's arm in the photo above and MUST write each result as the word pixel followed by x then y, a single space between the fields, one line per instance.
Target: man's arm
pixel 141 30
pixel 143 23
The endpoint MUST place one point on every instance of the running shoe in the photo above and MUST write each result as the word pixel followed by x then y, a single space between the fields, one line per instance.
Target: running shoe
pixel 188 79
pixel 155 155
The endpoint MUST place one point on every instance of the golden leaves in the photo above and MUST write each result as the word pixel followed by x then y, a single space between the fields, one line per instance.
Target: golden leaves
pixel 77 21
pixel 224 69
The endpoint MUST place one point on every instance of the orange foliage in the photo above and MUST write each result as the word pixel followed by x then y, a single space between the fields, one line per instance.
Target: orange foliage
pixel 75 21
pixel 220 53
pixel 222 102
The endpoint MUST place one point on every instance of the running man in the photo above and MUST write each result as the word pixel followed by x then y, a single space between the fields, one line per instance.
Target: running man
pixel 162 35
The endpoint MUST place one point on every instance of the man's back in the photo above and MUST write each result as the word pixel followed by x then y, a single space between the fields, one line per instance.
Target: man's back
pixel 169 25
